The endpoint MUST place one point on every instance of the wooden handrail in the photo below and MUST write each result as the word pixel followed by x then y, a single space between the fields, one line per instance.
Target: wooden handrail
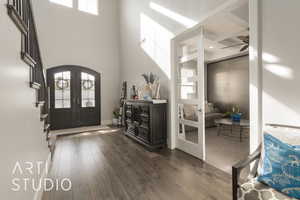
pixel 21 13
pixel 17 10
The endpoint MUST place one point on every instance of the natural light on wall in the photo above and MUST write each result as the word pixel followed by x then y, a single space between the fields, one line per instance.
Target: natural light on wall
pixel 188 23
pixel 273 65
pixel 280 70
pixel 155 41
pixel 67 3
pixel 89 6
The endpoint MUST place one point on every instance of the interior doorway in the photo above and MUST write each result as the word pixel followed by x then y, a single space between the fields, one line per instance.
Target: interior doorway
pixel 74 97
pixel 227 86
pixel 223 35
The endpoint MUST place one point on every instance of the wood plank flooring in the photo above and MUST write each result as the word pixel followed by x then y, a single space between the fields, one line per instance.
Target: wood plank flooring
pixel 107 165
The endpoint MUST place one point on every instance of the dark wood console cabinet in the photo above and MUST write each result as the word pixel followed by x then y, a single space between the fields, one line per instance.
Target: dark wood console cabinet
pixel 146 123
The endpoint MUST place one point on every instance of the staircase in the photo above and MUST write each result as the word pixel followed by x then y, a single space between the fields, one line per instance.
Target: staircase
pixel 21 13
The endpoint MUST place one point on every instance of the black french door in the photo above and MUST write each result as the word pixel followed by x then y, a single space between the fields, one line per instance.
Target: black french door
pixel 74 97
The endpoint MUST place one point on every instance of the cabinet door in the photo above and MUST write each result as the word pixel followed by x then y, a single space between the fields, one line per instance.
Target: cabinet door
pixel 144 134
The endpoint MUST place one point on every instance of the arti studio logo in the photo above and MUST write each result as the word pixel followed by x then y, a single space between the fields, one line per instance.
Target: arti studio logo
pixel 25 178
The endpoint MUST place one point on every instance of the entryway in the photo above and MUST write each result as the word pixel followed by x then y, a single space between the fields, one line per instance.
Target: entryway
pixel 191 51
pixel 74 97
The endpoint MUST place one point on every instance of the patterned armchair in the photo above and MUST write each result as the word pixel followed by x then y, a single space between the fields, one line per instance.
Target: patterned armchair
pixel 252 189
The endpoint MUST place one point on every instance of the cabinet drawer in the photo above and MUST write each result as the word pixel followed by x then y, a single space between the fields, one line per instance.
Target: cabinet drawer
pixel 144 119
pixel 128 113
pixel 145 109
pixel 128 106
pixel 144 134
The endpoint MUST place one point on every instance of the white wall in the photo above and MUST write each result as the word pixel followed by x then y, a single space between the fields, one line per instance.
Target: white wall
pixel 69 36
pixel 153 55
pixel 22 137
pixel 281 69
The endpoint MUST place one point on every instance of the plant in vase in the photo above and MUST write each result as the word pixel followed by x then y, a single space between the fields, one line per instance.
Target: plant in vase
pixel 235 114
pixel 151 89
pixel 115 117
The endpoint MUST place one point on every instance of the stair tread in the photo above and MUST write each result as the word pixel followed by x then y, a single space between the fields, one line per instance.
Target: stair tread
pixel 46 128
pixel 44 116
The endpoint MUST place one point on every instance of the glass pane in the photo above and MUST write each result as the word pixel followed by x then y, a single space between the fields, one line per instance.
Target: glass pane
pixel 58 103
pixel 91 94
pixel 58 76
pixel 66 75
pixel 67 94
pixel 62 93
pixel 191 134
pixel 92 103
pixel 58 94
pixel 190 112
pixel 87 90
pixel 188 87
pixel 89 6
pixel 67 103
pixel 189 91
pixel 188 69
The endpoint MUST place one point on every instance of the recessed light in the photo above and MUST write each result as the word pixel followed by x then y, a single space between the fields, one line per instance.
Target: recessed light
pixel 211 47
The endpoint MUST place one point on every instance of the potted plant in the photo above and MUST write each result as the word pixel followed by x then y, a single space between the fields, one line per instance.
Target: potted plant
pixel 115 117
pixel 235 114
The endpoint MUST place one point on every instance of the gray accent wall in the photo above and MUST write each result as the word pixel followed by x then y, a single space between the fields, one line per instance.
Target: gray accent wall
pixel 228 84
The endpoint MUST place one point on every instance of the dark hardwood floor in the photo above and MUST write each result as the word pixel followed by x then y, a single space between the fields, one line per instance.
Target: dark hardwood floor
pixel 107 165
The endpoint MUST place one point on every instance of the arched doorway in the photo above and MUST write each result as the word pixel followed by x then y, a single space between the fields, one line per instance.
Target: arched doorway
pixel 74 97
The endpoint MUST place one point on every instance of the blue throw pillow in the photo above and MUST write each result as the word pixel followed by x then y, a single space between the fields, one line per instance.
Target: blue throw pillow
pixel 281 166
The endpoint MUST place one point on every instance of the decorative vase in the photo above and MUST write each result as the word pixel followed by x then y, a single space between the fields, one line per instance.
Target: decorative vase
pixel 115 121
pixel 155 87
pixel 147 92
pixel 236 117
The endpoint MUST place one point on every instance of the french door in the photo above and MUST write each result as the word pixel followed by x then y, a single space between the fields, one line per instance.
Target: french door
pixel 190 104
pixel 74 97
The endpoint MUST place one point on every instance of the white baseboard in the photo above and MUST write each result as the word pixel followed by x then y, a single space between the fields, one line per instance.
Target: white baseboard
pixel 39 194
pixel 106 122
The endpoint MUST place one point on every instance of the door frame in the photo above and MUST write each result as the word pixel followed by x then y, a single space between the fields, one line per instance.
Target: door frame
pixel 255 71
pixel 78 68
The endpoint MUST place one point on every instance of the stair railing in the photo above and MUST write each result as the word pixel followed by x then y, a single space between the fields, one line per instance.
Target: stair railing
pixel 21 13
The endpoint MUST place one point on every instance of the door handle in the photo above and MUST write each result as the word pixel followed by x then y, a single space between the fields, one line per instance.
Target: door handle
pixel 78 101
pixel 200 110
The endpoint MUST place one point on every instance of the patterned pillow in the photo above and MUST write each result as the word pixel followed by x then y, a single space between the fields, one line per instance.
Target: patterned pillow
pixel 281 166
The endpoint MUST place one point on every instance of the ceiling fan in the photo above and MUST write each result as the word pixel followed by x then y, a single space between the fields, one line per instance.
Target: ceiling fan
pixel 245 43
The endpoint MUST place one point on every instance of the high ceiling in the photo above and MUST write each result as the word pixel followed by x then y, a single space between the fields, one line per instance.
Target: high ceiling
pixel 221 31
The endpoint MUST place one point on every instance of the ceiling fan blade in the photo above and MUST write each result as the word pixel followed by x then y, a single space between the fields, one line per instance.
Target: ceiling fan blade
pixel 236 45
pixel 244 48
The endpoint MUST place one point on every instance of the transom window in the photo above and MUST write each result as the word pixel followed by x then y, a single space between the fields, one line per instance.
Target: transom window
pixel 62 81
pixel 67 3
pixel 89 6
pixel 87 90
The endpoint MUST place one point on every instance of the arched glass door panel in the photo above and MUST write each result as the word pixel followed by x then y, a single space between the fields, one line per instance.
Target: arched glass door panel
pixel 74 97
pixel 87 90
pixel 62 92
